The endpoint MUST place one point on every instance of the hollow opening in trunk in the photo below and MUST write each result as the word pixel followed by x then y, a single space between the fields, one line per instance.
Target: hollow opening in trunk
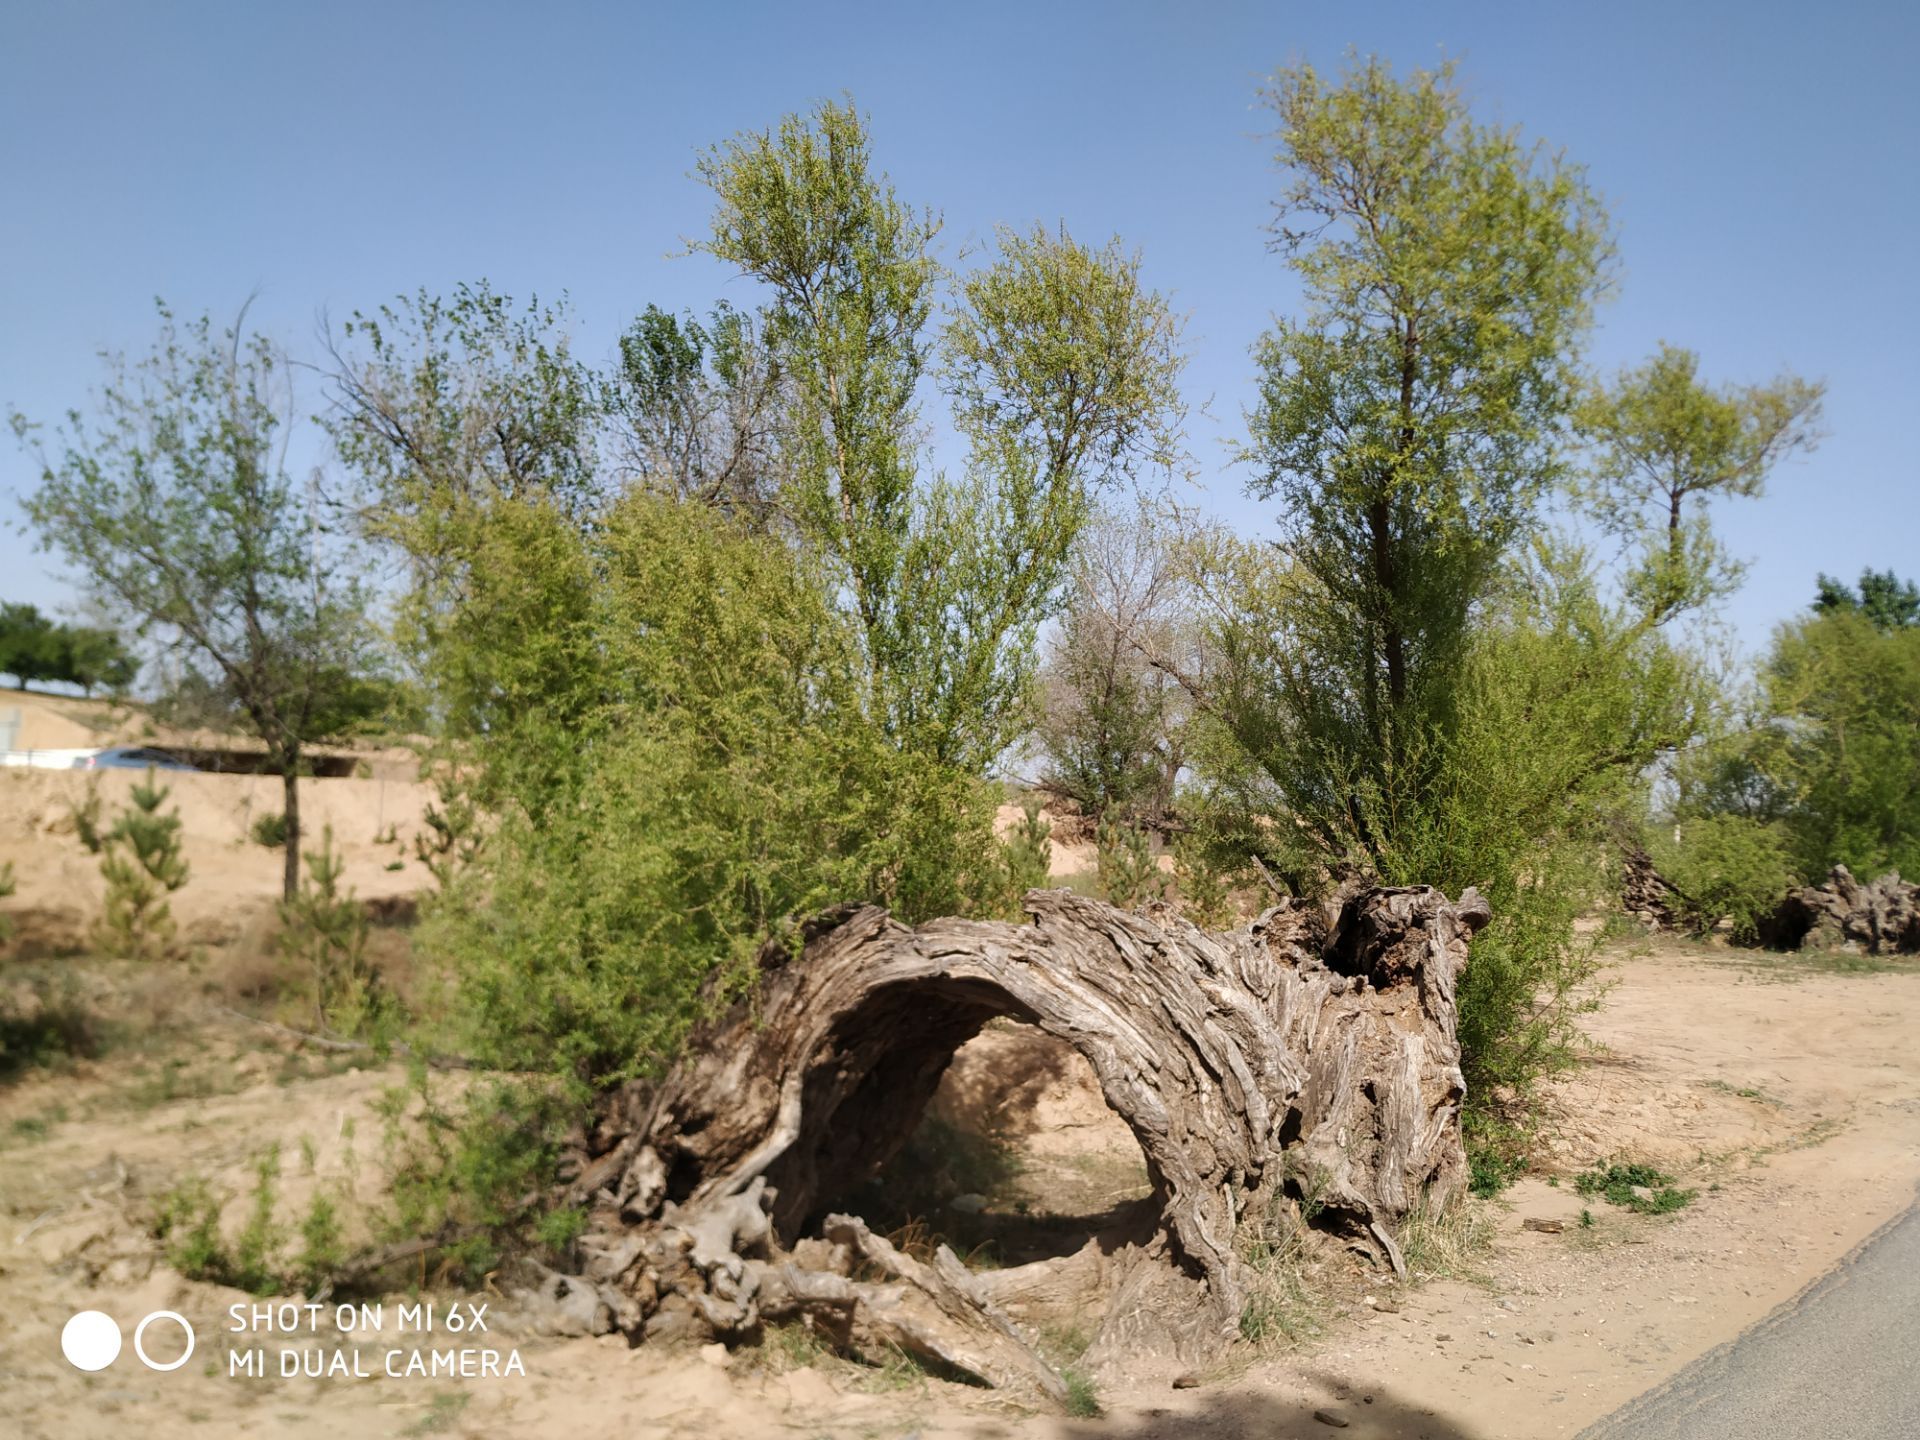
pixel 1016 1158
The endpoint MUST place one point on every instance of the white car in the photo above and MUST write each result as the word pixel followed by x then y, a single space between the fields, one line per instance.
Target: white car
pixel 132 757
pixel 113 757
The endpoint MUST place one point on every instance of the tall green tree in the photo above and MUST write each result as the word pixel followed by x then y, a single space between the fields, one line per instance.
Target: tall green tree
pixel 172 501
pixel 29 644
pixel 442 405
pixel 97 658
pixel 1665 444
pixel 1409 423
pixel 1419 683
pixel 1819 766
pixel 1063 370
pixel 1883 598
pixel 1112 723
pixel 698 412
pixel 1061 366
pixel 32 647
pixel 1841 745
pixel 851 282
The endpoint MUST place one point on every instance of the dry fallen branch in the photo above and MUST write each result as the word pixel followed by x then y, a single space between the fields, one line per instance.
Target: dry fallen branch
pixel 1312 1053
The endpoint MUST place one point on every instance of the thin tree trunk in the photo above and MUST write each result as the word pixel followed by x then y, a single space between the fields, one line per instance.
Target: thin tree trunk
pixel 290 782
pixel 1386 577
pixel 1380 519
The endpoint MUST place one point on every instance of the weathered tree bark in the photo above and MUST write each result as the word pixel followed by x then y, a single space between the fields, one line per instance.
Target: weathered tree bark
pixel 1880 918
pixel 1313 1052
pixel 1647 894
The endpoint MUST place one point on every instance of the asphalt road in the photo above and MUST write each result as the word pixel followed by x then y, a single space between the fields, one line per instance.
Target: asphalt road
pixel 1842 1359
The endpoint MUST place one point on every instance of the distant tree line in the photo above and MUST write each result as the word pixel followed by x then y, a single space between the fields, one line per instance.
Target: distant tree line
pixel 36 650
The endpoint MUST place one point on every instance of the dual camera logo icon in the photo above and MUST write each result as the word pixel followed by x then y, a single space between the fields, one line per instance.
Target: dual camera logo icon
pixel 91 1340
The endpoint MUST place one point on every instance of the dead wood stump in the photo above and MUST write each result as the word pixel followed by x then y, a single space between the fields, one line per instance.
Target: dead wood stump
pixel 1880 917
pixel 1311 1052
pixel 1648 895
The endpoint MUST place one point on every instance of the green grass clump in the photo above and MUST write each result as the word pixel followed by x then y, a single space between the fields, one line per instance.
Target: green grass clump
pixel 1636 1187
pixel 1448 1246
pixel 187 1224
pixel 1281 1306
pixel 1083 1401
pixel 1498 1144
pixel 45 1023
pixel 1489 1171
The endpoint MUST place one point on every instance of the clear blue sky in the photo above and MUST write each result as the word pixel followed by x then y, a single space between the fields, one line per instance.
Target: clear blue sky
pixel 1759 159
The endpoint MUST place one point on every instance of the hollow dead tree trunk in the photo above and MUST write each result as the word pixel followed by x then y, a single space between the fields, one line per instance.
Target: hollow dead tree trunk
pixel 1881 917
pixel 1313 1052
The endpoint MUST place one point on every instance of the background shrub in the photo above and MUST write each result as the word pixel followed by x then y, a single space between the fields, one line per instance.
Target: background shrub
pixel 269 828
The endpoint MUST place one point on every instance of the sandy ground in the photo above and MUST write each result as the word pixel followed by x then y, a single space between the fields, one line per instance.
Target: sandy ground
pixel 232 880
pixel 33 720
pixel 1788 1096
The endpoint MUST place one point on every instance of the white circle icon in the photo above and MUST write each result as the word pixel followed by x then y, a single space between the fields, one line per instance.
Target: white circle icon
pixel 140 1333
pixel 90 1340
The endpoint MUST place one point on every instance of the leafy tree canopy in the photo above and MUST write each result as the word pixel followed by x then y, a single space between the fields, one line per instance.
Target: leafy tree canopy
pixel 1664 443
pixel 34 648
pixel 172 502
pixel 1882 597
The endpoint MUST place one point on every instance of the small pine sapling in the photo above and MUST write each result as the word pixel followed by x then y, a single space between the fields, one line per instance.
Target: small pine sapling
pixel 1129 874
pixel 1205 897
pixel 323 931
pixel 1027 851
pixel 453 836
pixel 142 864
pixel 86 817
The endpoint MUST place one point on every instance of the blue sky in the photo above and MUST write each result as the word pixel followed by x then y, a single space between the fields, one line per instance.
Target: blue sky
pixel 1759 160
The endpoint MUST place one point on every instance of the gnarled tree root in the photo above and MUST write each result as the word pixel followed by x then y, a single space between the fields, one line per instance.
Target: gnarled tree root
pixel 1312 1054
pixel 1881 917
